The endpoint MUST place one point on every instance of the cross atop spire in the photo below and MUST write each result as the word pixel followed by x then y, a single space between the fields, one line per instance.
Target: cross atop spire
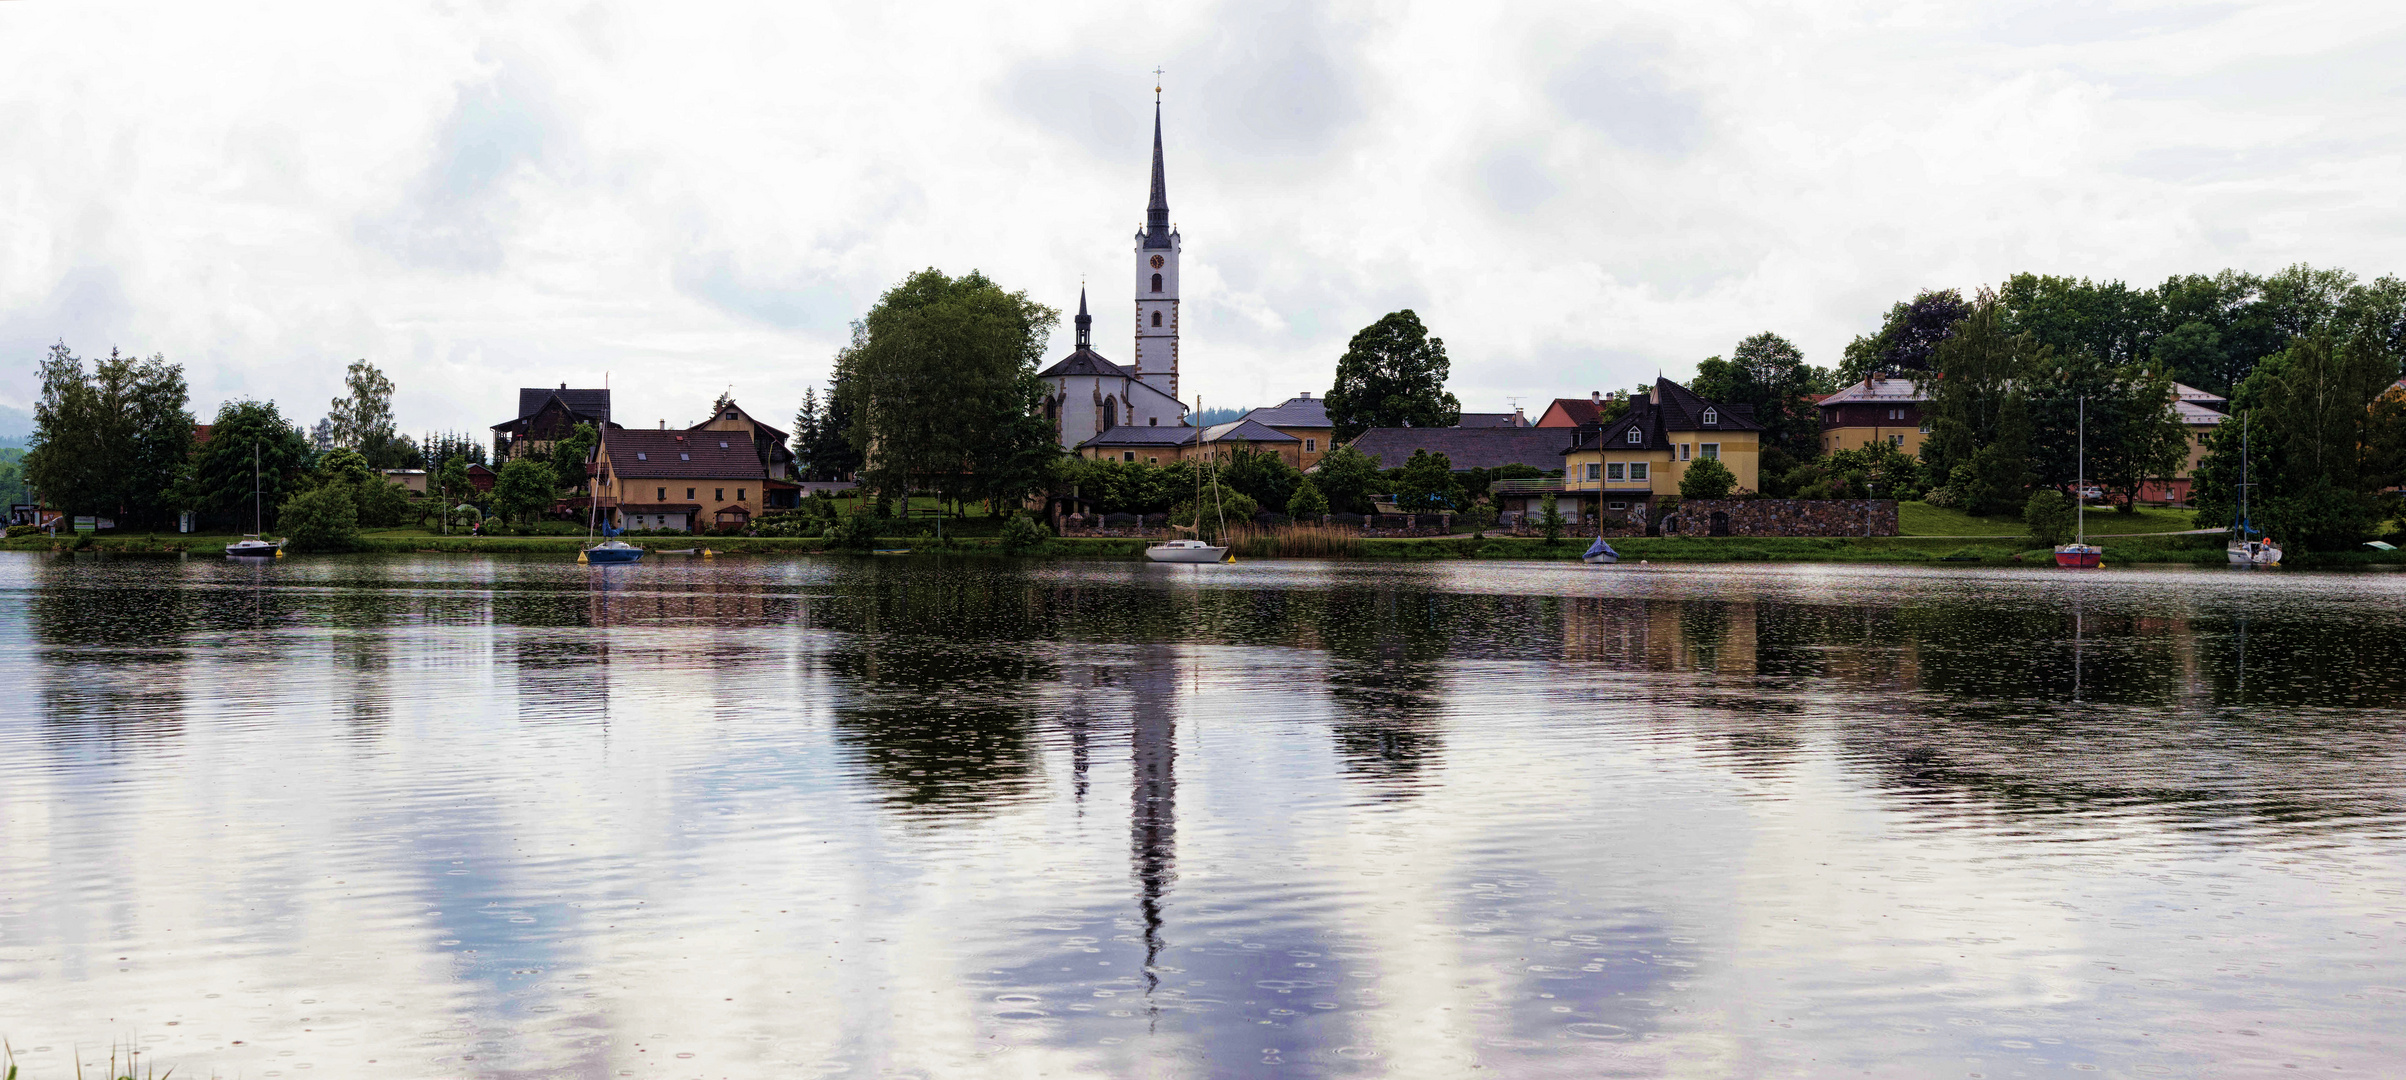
pixel 1085 321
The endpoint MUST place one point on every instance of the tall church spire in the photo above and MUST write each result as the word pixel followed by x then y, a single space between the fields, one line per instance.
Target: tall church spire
pixel 1085 321
pixel 1157 212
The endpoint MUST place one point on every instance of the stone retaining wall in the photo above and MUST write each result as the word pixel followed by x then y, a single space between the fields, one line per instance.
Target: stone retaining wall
pixel 1781 517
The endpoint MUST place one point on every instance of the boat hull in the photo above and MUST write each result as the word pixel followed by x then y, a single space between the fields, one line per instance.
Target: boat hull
pixel 2255 554
pixel 1601 558
pixel 255 549
pixel 607 556
pixel 1204 553
pixel 2079 556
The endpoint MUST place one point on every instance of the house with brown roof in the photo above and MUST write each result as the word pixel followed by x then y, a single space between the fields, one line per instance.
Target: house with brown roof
pixel 679 480
pixel 545 416
pixel 1573 412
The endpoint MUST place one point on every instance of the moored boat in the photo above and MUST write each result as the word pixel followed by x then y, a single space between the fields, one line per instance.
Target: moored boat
pixel 255 544
pixel 1600 554
pixel 2248 546
pixel 1186 551
pixel 611 551
pixel 2080 554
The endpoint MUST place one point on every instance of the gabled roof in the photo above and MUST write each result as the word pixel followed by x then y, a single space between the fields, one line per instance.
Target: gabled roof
pixel 1300 411
pixel 2194 414
pixel 2184 392
pixel 594 404
pixel 1242 430
pixel 642 453
pixel 1886 391
pixel 1580 411
pixel 1133 435
pixel 1086 362
pixel 779 436
pixel 1467 448
pixel 1673 408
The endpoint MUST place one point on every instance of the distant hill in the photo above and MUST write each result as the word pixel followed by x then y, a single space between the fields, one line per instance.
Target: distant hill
pixel 16 425
pixel 1222 415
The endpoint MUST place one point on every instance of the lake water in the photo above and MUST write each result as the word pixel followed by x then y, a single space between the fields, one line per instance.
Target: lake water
pixel 513 817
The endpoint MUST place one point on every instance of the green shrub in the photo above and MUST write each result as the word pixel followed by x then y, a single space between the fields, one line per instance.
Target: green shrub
pixel 1307 504
pixel 1024 534
pixel 322 518
pixel 1477 520
pixel 1550 522
pixel 1707 478
pixel 2049 516
pixel 856 531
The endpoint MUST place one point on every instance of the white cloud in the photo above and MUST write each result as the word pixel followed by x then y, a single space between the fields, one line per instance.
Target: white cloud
pixel 483 196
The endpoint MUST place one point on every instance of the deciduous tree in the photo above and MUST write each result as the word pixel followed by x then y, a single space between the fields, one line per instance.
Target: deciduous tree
pixel 112 441
pixel 362 418
pixel 1908 338
pixel 938 378
pixel 1393 374
pixel 222 469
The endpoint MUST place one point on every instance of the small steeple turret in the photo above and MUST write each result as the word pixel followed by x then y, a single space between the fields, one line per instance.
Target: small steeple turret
pixel 1085 322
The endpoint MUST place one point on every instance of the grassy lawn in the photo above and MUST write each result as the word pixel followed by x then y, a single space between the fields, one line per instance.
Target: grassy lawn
pixel 1923 519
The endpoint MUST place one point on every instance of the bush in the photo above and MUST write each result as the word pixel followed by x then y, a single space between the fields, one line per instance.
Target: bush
pixel 1944 498
pixel 856 531
pixel 2049 516
pixel 1023 534
pixel 1478 519
pixel 321 519
pixel 1307 503
pixel 382 505
pixel 1232 506
pixel 15 531
pixel 1707 478
pixel 787 523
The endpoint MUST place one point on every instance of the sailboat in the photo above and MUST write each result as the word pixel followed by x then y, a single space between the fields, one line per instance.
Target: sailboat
pixel 256 545
pixel 1194 551
pixel 2245 551
pixel 2080 553
pixel 612 550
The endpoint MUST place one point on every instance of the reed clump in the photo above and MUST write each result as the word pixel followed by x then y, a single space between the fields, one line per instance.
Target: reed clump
pixel 1294 541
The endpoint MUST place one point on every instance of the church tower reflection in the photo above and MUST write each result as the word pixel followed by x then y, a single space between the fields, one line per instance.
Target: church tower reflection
pixel 1153 796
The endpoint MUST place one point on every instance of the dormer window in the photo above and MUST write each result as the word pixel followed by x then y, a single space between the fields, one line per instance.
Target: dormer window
pixel 1712 417
pixel 1634 437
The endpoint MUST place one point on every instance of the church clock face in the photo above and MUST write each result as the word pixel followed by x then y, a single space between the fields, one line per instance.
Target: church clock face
pixel 1156 262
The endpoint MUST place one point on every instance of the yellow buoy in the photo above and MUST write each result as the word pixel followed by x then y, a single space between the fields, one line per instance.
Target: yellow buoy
pixel 580 557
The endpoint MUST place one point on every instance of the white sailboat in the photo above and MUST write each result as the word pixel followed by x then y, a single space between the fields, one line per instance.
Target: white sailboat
pixel 2246 549
pixel 1195 551
pixel 2080 553
pixel 256 545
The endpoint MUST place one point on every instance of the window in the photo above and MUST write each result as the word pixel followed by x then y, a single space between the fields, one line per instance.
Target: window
pixel 1616 506
pixel 1593 470
pixel 684 457
pixel 1637 470
pixel 730 416
pixel 1925 427
pixel 740 496
pixel 718 494
pixel 1710 451
pixel 1311 446
pixel 1127 455
pixel 1683 450
pixel 1896 414
pixel 1712 417
pixel 689 493
pixel 1613 471
pixel 1151 460
pixel 1152 421
pixel 1156 287
pixel 1896 440
pixel 1634 437
pixel 641 456
pixel 663 497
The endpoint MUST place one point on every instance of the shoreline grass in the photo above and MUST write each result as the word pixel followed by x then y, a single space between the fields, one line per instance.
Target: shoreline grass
pixel 1317 543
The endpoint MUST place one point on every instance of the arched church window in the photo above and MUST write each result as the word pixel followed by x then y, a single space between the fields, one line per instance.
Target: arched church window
pixel 1156 283
pixel 1110 413
pixel 1156 318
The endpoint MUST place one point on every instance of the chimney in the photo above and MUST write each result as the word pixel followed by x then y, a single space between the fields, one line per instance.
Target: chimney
pixel 1520 417
pixel 1307 395
pixel 664 423
pixel 563 386
pixel 1595 397
pixel 1654 394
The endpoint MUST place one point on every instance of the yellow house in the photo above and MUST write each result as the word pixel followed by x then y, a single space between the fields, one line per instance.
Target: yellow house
pixel 1303 418
pixel 1622 469
pixel 1877 410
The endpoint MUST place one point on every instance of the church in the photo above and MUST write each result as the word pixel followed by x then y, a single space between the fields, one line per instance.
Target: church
pixel 1101 408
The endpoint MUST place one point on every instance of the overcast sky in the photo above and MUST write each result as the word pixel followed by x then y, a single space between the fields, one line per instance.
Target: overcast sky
pixel 689 197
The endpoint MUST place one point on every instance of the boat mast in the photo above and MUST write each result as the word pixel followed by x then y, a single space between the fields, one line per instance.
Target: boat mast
pixel 257 529
pixel 2080 486
pixel 2243 522
pixel 1198 468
